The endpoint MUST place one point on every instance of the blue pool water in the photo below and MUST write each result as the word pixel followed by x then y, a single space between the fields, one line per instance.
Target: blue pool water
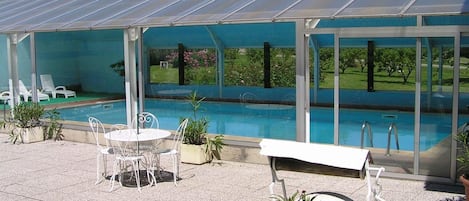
pixel 278 121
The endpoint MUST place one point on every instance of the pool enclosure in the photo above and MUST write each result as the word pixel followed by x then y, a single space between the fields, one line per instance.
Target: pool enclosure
pixel 336 54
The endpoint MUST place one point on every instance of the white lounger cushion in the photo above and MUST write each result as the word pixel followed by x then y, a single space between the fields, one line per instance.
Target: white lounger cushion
pixel 331 155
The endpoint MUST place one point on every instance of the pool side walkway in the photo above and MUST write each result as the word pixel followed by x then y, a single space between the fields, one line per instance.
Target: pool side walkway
pixel 65 170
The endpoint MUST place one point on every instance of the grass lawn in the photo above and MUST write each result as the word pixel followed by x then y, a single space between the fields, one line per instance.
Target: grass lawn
pixel 353 78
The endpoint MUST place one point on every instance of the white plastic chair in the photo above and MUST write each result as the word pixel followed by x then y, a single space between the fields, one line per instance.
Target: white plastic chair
pixel 175 151
pixel 5 97
pixel 49 87
pixel 126 156
pixel 27 93
pixel 102 151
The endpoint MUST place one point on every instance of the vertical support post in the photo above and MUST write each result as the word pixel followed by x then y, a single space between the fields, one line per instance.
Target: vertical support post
pixel 429 91
pixel 141 79
pixel 336 88
pixel 418 91
pixel 181 63
pixel 267 83
pixel 32 41
pixel 130 36
pixel 12 41
pixel 316 68
pixel 455 110
pixel 220 47
pixel 371 66
pixel 302 82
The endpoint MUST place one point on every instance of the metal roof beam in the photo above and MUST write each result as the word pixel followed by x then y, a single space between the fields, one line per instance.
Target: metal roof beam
pixel 342 8
pixel 235 11
pixel 385 32
pixel 285 10
pixel 407 7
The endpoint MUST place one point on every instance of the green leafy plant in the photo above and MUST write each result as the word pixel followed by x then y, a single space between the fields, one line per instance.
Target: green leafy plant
pixel 28 115
pixel 302 197
pixel 463 151
pixel 53 129
pixel 214 146
pixel 196 130
pixel 196 127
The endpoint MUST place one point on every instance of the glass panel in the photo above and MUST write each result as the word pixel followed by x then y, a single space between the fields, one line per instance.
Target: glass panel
pixel 244 67
pixel 214 12
pixel 378 105
pixel 438 6
pixel 163 66
pixel 171 13
pixel 371 7
pixel 321 8
pixel 107 11
pixel 137 13
pixel 51 12
pixel 436 104
pixel 261 9
pixel 73 15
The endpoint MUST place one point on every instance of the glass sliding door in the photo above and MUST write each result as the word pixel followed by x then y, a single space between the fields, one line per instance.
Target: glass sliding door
pixel 377 99
pixel 436 106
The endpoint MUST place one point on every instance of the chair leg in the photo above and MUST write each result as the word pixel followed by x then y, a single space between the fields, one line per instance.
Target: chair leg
pixel 113 177
pixel 98 176
pixel 175 169
pixel 137 175
pixel 104 165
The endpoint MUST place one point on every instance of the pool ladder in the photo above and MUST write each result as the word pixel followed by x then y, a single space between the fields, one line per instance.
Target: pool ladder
pixel 392 127
pixel 365 125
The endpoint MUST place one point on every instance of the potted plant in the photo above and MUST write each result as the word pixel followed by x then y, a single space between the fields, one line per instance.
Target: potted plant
pixel 463 157
pixel 26 125
pixel 198 147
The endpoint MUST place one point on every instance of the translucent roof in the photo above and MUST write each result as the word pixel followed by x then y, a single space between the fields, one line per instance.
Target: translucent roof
pixel 65 15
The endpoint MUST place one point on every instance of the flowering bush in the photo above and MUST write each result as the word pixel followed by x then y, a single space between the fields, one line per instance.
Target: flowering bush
pixel 194 59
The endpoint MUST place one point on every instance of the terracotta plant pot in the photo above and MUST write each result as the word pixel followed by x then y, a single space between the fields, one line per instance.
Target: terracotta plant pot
pixel 465 182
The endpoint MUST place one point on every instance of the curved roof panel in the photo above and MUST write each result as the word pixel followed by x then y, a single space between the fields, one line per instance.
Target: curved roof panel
pixel 65 15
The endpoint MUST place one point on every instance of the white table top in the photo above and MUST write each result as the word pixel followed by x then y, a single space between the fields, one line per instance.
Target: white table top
pixel 146 134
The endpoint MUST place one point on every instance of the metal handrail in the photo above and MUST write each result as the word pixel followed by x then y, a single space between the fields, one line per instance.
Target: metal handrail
pixel 392 127
pixel 366 124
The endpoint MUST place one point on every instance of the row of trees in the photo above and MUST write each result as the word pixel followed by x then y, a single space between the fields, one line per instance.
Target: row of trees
pixel 244 67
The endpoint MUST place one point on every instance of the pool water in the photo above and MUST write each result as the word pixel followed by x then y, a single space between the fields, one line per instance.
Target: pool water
pixel 278 121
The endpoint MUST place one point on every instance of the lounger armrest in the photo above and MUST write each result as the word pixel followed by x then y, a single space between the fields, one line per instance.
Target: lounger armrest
pixel 5 93
pixel 60 88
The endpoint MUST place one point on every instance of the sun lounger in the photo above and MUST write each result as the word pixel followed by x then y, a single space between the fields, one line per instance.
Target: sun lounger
pixel 28 93
pixel 320 158
pixel 49 87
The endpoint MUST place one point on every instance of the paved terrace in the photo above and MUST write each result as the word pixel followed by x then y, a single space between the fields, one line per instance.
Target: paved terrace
pixel 65 170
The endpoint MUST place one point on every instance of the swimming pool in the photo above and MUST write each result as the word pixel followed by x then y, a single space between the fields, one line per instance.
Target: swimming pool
pixel 278 121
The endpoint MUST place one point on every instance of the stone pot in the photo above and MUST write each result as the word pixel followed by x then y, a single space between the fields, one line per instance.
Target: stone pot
pixel 465 182
pixel 194 154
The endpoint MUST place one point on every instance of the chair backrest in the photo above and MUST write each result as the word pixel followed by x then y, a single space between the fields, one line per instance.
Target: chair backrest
pixel 180 134
pixel 47 83
pixel 247 97
pixel 145 120
pixel 97 128
pixel 128 147
pixel 23 89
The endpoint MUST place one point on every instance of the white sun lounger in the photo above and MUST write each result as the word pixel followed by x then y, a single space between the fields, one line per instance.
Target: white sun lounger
pixel 353 161
pixel 49 87
pixel 28 93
